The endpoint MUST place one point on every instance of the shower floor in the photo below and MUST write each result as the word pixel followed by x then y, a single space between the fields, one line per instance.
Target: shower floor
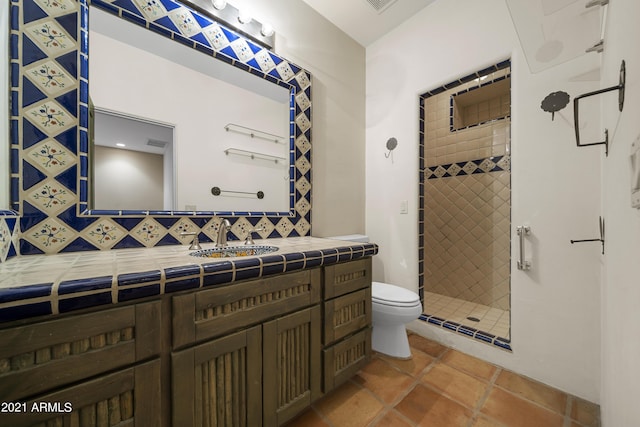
pixel 492 320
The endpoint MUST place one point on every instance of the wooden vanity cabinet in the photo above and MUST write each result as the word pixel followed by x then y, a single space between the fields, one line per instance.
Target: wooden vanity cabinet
pixel 87 370
pixel 250 353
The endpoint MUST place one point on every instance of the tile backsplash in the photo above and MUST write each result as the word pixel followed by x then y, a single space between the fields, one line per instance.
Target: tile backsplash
pixel 50 142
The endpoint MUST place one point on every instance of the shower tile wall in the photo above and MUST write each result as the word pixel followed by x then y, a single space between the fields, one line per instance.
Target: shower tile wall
pixel 465 223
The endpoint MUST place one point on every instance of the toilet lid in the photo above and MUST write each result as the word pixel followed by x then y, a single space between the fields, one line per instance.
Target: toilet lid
pixel 385 293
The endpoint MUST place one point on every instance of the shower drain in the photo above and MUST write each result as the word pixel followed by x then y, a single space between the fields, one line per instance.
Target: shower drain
pixel 473 319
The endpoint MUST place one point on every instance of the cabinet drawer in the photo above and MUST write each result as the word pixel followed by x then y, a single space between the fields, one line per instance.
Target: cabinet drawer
pixel 346 314
pixel 340 279
pixel 211 313
pixel 124 398
pixel 46 355
pixel 344 359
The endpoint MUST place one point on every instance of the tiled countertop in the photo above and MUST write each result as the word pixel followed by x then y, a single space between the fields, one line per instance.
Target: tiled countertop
pixel 52 284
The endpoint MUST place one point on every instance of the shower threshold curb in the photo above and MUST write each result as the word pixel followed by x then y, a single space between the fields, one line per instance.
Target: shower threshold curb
pixel 468 331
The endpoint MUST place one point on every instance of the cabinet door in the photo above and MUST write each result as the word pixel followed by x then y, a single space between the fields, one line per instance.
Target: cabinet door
pixel 125 398
pixel 291 364
pixel 218 383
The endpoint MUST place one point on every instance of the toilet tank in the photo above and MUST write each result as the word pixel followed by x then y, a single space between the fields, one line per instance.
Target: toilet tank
pixel 361 238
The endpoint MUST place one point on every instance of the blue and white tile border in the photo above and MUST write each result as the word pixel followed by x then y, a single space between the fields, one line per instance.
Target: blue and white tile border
pixel 50 115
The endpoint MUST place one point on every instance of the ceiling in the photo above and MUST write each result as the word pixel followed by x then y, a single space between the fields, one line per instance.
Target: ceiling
pixel 361 21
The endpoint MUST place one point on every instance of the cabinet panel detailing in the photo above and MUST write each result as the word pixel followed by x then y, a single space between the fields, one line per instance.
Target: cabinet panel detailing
pixel 219 383
pixel 60 351
pixel 251 302
pixel 349 356
pixel 213 312
pixel 346 314
pixel 111 400
pixel 45 355
pixel 347 277
pixel 223 390
pixel 291 349
pixel 343 360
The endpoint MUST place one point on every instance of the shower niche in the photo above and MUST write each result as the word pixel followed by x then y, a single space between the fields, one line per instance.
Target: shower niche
pixel 465 205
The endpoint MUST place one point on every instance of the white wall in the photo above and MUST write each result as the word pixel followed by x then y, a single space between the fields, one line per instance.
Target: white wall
pixel 118 170
pixel 555 186
pixel 621 284
pixel 337 64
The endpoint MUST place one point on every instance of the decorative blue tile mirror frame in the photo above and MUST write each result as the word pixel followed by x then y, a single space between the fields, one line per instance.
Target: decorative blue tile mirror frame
pixel 50 143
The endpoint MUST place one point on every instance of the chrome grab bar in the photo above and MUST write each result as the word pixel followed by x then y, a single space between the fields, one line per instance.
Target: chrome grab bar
pixel 523 230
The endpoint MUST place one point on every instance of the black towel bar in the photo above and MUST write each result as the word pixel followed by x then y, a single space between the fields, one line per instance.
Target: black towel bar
pixel 620 88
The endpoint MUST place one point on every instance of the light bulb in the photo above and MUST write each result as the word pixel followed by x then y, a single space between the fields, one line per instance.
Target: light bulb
pixel 267 30
pixel 244 16
pixel 219 4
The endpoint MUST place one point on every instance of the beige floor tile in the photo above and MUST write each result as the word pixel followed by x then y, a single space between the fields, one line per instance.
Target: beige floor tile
pixel 456 384
pixel 384 380
pixel 516 412
pixel 544 395
pixel 349 406
pixel 425 407
pixel 469 364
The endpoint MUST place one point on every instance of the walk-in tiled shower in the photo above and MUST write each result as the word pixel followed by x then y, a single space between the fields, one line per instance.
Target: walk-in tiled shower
pixel 465 204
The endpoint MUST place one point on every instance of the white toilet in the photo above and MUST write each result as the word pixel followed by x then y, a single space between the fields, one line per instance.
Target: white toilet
pixel 393 307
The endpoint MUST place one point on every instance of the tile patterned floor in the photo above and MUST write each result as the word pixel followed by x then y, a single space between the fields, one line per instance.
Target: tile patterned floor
pixel 442 387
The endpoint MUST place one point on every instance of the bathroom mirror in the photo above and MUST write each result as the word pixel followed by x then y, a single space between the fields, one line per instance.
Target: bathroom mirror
pixel 231 129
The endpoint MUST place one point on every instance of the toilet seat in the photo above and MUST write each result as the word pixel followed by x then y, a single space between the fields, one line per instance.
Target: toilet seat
pixel 392 295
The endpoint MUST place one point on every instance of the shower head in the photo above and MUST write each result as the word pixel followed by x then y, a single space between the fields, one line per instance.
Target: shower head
pixel 555 101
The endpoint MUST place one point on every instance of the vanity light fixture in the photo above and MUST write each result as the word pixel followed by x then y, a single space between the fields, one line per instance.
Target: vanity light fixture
pixel 236 19
pixel 219 4
pixel 120 144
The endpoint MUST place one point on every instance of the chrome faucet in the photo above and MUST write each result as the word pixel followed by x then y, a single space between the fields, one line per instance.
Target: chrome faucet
pixel 225 226
pixel 249 239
